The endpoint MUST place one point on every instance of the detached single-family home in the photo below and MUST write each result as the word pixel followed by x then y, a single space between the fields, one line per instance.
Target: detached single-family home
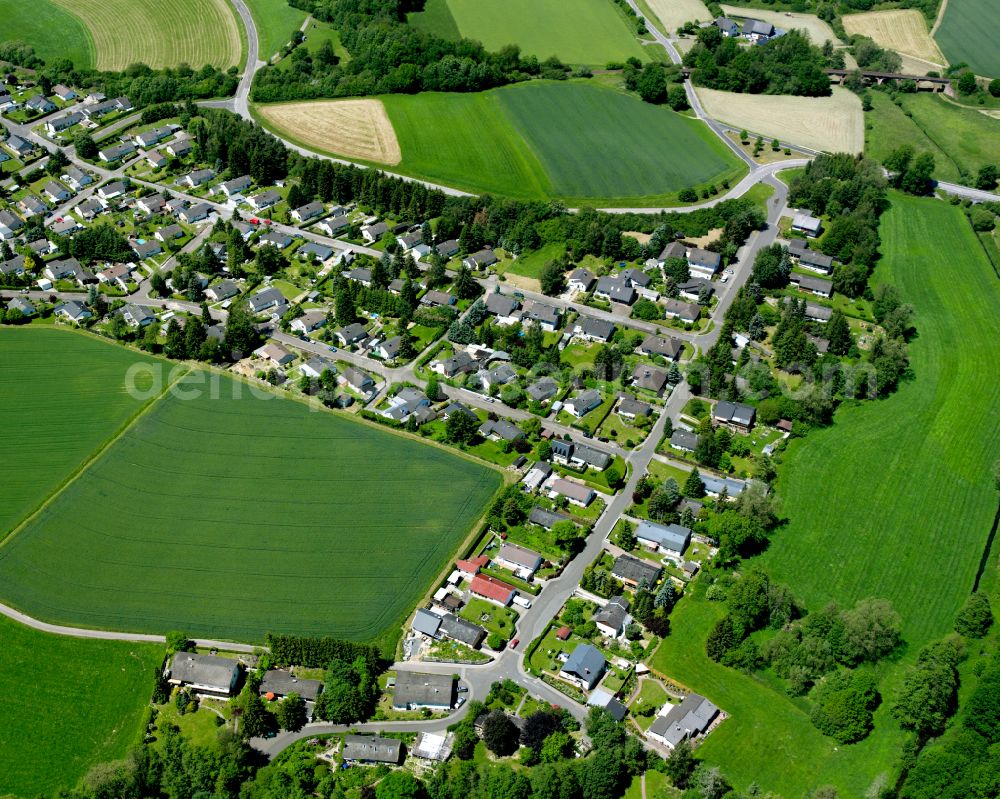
pixel 730 28
pixel 501 430
pixel 10 224
pixel 500 376
pixel 22 305
pixel 137 315
pixel 73 311
pixel 415 690
pixel 814 285
pixel 351 334
pixel 503 307
pixel 583 403
pixel 545 388
pixel 434 298
pixel 612 619
pixel 266 299
pixel 810 225
pixel 736 416
pixel 223 291
pixel 153 204
pixel 19 146
pixel 633 571
pixel 631 408
pixel 591 329
pixel 615 289
pixel 235 186
pixel 446 249
pixel 305 213
pixel 333 225
pixel 30 205
pixel 279 683
pixel 196 213
pixel 684 440
pixel 539 313
pixel 180 147
pixel 810 259
pixel 15 266
pixel 696 289
pixel 60 124
pixel 64 93
pixel 359 380
pixel 146 248
pixel 207 674
pixel 690 719
pixel 371 749
pixel 818 313
pixel 275 238
pixel 649 378
pixel 154 136
pixel 580 280
pixel 584 667
pixel 311 249
pixel 111 191
pixel 372 233
pixel 546 519
pixel 116 152
pixel 657 537
pixel 116 274
pixel 169 233
pixel 77 178
pixel 669 348
pixel 758 31
pixel 308 322
pixel 480 260
pixel 156 159
pixel 457 364
pixel 523 562
pixel 275 353
pixel 197 177
pixel 492 590
pixel 703 263
pixel 576 493
pixel 685 311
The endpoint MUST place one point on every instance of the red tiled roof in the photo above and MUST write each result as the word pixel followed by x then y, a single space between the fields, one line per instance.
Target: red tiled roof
pixel 563 633
pixel 491 588
pixel 472 565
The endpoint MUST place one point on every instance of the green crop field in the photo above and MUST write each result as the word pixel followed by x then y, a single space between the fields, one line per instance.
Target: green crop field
pixel 275 21
pixel 51 30
pixel 967 35
pixel 959 138
pixel 590 32
pixel 577 141
pixel 64 396
pixel 67 703
pixel 894 500
pixel 230 515
pixel 160 33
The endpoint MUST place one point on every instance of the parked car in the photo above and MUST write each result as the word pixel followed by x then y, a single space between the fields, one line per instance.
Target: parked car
pixel 514 643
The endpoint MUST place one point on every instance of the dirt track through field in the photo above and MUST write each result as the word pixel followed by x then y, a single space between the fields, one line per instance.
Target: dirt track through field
pixel 352 128
pixel 902 30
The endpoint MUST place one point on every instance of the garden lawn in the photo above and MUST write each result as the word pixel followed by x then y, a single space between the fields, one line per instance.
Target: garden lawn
pixel 493 618
pixel 68 703
pixel 230 514
pixel 275 21
pixel 963 36
pixel 53 31
pixel 589 32
pixel 63 397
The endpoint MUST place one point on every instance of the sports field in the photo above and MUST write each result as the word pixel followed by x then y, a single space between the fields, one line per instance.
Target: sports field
pixel 275 21
pixel 51 30
pixel 672 14
pixel 589 32
pixel 902 30
pixel 959 138
pixel 835 124
pixel 968 33
pixel 68 703
pixel 63 396
pixel 572 140
pixel 816 29
pixel 160 33
pixel 230 515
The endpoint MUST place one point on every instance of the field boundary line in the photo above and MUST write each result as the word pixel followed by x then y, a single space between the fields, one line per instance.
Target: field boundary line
pixel 73 476
pixel 939 18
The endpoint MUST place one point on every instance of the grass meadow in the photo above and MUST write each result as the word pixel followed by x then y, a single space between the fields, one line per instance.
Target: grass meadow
pixel 52 30
pixel 275 21
pixel 963 36
pixel 63 398
pixel 160 33
pixel 233 516
pixel 591 32
pixel 959 138
pixel 67 703
pixel 894 500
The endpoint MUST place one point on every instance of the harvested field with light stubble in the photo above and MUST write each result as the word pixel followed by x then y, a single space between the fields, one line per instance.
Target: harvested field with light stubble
pixel 161 33
pixel 816 29
pixel 835 124
pixel 353 128
pixel 674 13
pixel 902 30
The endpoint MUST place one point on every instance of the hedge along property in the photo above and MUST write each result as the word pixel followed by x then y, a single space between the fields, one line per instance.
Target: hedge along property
pixel 231 514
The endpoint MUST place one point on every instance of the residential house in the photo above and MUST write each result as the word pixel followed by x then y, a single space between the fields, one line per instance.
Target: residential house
pixel 818 313
pixel 592 329
pixel 584 455
pixel 358 380
pixel 77 178
pixel 814 285
pixel 448 249
pixel 685 311
pixel 361 275
pixel 223 291
pixel 154 136
pixel 111 191
pixel 690 719
pixel 416 690
pixel 197 177
pixel 703 263
pixel 500 376
pixel 546 519
pixel 480 260
pixel 504 308
pixel 633 571
pixel 116 152
pixel 308 212
pixel 73 311
pixel 206 674
pixel 583 403
pixel 136 316
pixel 371 749
pixel 736 416
pixel 21 304
pixel 603 699
pixel 266 299
pixel 280 683
pixel 156 159
pixel 501 430
pixel 810 259
pixel 807 224
pixel 730 28
pixel 584 667
pixel 492 590
pixel 19 146
pixel 649 378
pixel 351 334
pixel 580 280
pixel 388 349
pixel 461 630
pixel 545 388
pixel 196 213
pixel 43 247
pixel 65 228
pixel 669 348
pixel 315 367
pixel 612 619
pixel 615 289
pixel 116 274
pixel 544 315
pixel 435 298
pixel 275 353
pixel 684 440
pixel 716 485
pixel 30 205
pixel 63 123
pixel 631 408
pixel 663 538
pixel 374 232
pixel 169 233
pixel 89 209
pixel 576 493
pixel 64 93
pixel 152 205
pixel 15 266
pixel 405 403
pixel 179 147
pixel 459 363
pixel 308 322
pixel 234 187
pixel 146 248
pixel 470 568
pixel 333 225
pixel 275 238
pixel 63 269
pixel 523 562
pixel 696 289
pixel 758 31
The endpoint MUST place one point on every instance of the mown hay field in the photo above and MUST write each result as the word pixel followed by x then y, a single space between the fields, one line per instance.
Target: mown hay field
pixel 834 124
pixel 572 140
pixel 160 33
pixel 816 29
pixel 63 397
pixel 68 703
pixel 356 128
pixel 230 514
pixel 968 33
pixel 589 32
pixel 674 13
pixel 50 29
pixel 902 30
pixel 275 21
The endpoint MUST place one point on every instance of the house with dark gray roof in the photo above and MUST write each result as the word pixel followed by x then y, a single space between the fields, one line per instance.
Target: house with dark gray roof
pixel 734 415
pixel 704 263
pixel 635 571
pixel 520 560
pixel 206 674
pixel 480 260
pixel 502 307
pixel 446 249
pixel 685 311
pixel 684 440
pixel 372 233
pixel 591 329
pixel 457 364
pixel 426 623
pixel 581 280
pixel 612 619
pixel 351 334
pixel 266 299
pixel 458 629
pixel 307 212
pixel 544 315
pixel 657 537
pixel 615 289
pixel 814 285
pixel 371 749
pixel 584 667
pixel 546 518
pixel 22 305
pixel 649 378
pixel 583 403
pixel 818 313
pixel 415 690
pixel 542 389
pixel 669 348
pixel 631 408
pixel 690 719
pixel 696 289
pixel 280 683
pixel 501 430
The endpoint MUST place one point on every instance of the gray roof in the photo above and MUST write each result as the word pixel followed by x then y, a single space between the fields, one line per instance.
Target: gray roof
pixel 458 628
pixel 541 312
pixel 629 406
pixel 501 305
pixel 266 299
pixel 613 614
pixel 596 328
pixel 591 456
pixel 423 690
pixel 426 622
pixel 546 518
pixel 672 536
pixel 480 259
pixel 705 258
pixel 635 570
pixel 283 683
pixel 714 485
pixel 309 210
pixel 819 312
pixel 691 717
pixel 358 378
pixel 684 439
pixel 587 663
pixel 756 26
pixel 817 284
pixel 735 412
pixel 321 251
pixel 352 332
pixel 616 289
pixel 544 388
pixel 586 401
pixel 667 347
pixel 21 304
pixel 371 748
pixel 522 556
pixel 649 378
pixel 502 428
pixel 218 674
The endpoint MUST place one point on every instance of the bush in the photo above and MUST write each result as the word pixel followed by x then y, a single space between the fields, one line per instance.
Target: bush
pixel 976 616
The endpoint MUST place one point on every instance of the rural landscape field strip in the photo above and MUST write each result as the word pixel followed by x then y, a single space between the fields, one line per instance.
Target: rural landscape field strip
pixel 903 30
pixel 672 14
pixel 833 124
pixel 968 33
pixel 816 29
pixel 67 703
pixel 589 32
pixel 275 21
pixel 63 397
pixel 160 33
pixel 239 516
pixel 53 31
pixel 359 128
